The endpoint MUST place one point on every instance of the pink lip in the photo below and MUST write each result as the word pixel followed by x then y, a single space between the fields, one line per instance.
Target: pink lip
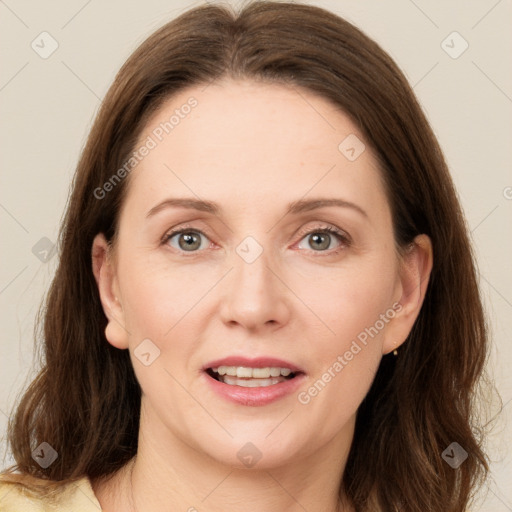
pixel 254 396
pixel 259 362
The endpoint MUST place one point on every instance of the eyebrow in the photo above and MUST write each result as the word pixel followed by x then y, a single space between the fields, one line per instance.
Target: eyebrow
pixel 294 208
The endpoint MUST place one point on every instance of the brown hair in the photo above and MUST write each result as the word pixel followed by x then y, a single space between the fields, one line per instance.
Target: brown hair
pixel 85 401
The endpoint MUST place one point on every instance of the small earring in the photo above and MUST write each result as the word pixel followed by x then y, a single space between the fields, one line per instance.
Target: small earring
pixel 395 352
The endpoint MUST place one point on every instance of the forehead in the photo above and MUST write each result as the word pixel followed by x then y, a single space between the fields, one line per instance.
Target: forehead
pixel 244 112
pixel 250 142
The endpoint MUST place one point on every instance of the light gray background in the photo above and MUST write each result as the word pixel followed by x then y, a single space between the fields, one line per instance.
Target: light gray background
pixel 47 107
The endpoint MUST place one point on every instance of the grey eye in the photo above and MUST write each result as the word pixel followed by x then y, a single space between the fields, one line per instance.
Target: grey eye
pixel 188 241
pixel 320 239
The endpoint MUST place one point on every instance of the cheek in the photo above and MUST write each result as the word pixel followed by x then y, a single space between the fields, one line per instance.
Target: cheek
pixel 159 304
pixel 355 305
pixel 348 300
pixel 157 296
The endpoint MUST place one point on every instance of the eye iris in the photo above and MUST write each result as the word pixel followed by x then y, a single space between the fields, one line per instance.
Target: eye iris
pixel 317 237
pixel 188 241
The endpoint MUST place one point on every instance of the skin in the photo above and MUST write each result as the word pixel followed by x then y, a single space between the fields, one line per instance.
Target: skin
pixel 252 148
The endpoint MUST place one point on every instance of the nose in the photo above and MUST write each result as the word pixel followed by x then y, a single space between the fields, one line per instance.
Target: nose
pixel 256 297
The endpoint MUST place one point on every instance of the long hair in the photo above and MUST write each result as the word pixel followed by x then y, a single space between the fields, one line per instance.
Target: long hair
pixel 85 402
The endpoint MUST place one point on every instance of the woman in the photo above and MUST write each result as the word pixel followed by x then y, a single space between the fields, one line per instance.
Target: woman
pixel 266 296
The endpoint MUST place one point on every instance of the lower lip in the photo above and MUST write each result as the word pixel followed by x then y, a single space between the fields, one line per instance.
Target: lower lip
pixel 255 396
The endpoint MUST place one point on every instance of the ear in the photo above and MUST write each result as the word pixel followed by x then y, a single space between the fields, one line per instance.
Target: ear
pixel 414 275
pixel 106 280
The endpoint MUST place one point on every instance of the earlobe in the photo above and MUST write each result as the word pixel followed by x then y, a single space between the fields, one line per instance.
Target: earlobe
pixel 414 275
pixel 104 274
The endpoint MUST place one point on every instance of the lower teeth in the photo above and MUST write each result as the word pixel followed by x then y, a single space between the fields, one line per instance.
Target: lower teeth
pixel 250 383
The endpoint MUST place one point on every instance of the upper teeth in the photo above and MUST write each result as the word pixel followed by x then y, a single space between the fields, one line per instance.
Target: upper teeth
pixel 257 373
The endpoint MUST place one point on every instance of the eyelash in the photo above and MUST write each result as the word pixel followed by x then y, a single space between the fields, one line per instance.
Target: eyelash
pixel 340 235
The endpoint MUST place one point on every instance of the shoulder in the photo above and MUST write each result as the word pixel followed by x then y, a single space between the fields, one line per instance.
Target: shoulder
pixel 30 494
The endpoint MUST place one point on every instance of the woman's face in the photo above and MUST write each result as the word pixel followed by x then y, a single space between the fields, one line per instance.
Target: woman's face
pixel 257 278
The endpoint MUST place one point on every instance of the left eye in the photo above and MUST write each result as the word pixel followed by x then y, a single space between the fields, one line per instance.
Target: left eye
pixel 320 239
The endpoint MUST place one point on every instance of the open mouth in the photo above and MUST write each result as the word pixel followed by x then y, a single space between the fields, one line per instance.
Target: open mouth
pixel 252 382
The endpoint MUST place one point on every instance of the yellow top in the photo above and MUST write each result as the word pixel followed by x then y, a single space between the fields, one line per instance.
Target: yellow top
pixel 72 497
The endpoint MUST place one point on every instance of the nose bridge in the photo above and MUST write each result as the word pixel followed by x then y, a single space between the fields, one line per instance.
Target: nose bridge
pixel 252 265
pixel 255 296
pixel 253 277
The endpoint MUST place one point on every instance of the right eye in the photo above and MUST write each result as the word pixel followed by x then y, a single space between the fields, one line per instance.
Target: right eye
pixel 187 240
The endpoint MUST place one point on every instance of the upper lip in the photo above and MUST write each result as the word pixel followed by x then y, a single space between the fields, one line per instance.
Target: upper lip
pixel 259 362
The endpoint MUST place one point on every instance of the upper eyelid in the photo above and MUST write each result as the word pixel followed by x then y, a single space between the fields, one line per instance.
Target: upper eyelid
pixel 175 231
pixel 328 228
